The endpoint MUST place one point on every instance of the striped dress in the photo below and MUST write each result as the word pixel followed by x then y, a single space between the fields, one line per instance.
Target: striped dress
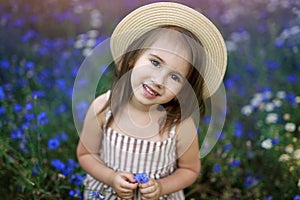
pixel 124 153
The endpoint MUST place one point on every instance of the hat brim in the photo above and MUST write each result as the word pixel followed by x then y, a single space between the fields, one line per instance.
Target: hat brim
pixel 159 14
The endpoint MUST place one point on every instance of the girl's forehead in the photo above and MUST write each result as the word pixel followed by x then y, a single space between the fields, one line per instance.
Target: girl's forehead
pixel 172 42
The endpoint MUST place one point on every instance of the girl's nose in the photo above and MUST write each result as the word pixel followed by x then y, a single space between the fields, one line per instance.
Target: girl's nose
pixel 159 78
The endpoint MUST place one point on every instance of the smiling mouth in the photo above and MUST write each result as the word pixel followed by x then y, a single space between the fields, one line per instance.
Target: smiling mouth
pixel 150 90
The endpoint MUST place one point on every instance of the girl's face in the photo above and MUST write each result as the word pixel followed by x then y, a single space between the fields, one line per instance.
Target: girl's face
pixel 159 73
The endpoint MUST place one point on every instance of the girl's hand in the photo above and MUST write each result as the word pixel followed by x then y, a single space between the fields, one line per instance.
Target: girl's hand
pixel 124 184
pixel 150 190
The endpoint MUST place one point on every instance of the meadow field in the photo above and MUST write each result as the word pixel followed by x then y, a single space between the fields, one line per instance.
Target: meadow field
pixel 44 43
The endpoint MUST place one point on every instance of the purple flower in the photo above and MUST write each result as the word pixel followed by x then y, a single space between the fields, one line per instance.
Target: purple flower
pixel 141 178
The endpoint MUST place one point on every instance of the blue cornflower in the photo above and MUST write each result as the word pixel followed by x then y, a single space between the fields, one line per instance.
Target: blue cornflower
pixel 63 136
pixel 77 179
pixel 29 117
pixel 2 94
pixel 95 195
pixel 235 163
pixel 29 106
pixel 53 143
pixel 297 197
pixel 58 164
pixel 272 64
pixel 74 193
pixel 217 168
pixel 16 134
pixel 42 118
pixel 275 141
pixel 227 147
pixel 141 178
pixel 36 170
pixel 238 129
pixel 17 107
pixel 250 181
pixel 4 64
pixel 61 109
pixel 292 78
pixel 72 163
pixel 2 110
pixel 38 94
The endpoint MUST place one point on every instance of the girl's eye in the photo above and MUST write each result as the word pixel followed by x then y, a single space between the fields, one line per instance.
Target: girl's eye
pixel 155 63
pixel 175 77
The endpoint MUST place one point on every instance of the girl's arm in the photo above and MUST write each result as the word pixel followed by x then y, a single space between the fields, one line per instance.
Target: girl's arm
pixel 88 152
pixel 188 165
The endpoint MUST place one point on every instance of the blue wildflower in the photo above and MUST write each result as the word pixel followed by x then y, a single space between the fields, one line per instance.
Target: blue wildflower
pixel 275 141
pixel 227 147
pixel 17 107
pixel 38 94
pixel 272 64
pixel 141 178
pixel 58 164
pixel 297 197
pixel 2 110
pixel 238 129
pixel 74 193
pixel 77 179
pixel 95 195
pixel 36 170
pixel 63 136
pixel 250 181
pixel 42 118
pixel 61 109
pixel 292 78
pixel 217 168
pixel 2 94
pixel 29 106
pixel 16 134
pixel 4 64
pixel 29 65
pixel 53 143
pixel 235 163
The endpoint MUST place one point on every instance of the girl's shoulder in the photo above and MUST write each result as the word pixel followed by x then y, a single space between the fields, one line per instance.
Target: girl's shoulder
pixel 98 105
pixel 100 101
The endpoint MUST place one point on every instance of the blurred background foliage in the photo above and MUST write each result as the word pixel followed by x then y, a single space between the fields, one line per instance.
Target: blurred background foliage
pixel 43 44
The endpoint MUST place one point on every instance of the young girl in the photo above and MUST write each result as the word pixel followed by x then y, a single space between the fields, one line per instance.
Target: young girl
pixel 168 58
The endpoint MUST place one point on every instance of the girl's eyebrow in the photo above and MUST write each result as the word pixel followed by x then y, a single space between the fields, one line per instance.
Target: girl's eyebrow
pixel 158 58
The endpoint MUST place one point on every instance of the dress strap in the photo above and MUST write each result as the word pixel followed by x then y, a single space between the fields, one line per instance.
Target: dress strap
pixel 172 131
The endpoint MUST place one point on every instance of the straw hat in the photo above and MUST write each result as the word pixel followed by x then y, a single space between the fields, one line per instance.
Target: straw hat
pixel 158 14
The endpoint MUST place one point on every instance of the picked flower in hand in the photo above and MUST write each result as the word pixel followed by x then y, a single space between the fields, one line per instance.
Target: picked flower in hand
pixel 141 178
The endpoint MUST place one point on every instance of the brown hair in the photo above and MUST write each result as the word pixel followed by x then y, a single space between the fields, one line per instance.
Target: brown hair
pixel 123 66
